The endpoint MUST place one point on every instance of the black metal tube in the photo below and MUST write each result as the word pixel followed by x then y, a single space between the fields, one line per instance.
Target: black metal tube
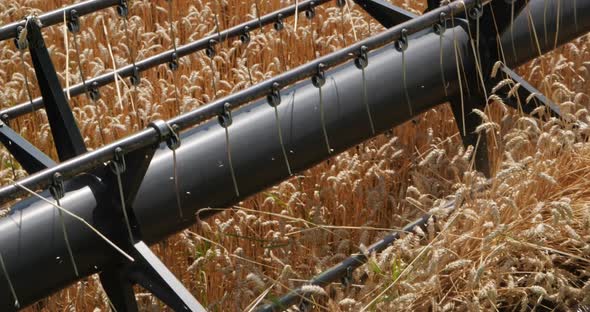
pixel 146 137
pixel 31 242
pixel 57 16
pixel 165 57
pixel 343 268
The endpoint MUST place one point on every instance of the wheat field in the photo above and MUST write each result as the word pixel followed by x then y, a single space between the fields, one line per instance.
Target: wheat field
pixel 521 244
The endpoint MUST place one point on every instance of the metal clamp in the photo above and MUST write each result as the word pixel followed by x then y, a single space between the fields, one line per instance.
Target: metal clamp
pixel 73 23
pixel 135 79
pixel 310 11
pixel 210 50
pixel 304 305
pixel 274 97
pixel 225 119
pixel 245 35
pixel 402 43
pixel 319 79
pixel 57 186
pixel 94 91
pixel 279 23
pixel 441 26
pixel 362 60
pixel 476 12
pixel 347 277
pixel 167 133
pixel 340 3
pixel 118 164
pixel 173 64
pixel 123 8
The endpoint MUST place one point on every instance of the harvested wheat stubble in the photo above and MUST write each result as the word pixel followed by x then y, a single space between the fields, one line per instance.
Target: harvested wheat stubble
pixel 519 245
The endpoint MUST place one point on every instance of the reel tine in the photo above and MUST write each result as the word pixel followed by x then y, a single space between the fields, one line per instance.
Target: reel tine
pixel 74 27
pixel 401 45
pixel 123 11
pixel 225 120
pixel 173 144
pixel 361 62
pixel 440 29
pixel 58 192
pixel 318 80
pixel 12 291
pixel 274 99
pixel 246 38
pixel 118 166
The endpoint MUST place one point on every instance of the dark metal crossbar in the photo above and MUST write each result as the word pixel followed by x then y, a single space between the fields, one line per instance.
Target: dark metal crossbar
pixel 55 17
pixel 167 56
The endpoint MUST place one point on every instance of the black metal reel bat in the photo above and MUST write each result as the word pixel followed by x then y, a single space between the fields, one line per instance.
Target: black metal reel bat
pixel 92 190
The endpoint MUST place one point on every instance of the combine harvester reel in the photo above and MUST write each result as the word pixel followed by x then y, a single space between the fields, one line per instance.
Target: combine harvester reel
pixel 101 209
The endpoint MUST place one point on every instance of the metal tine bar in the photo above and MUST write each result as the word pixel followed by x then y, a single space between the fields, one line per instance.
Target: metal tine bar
pixel 28 156
pixel 166 57
pixel 149 136
pixel 56 17
pixel 343 270
pixel 526 96
pixel 123 11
